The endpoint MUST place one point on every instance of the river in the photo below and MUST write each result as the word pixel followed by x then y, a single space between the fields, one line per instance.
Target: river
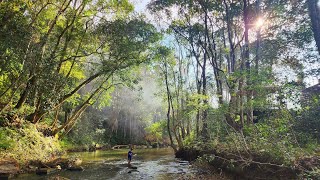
pixel 112 164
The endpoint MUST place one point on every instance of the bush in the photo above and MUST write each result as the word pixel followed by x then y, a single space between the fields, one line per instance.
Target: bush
pixel 5 142
pixel 27 143
pixel 188 141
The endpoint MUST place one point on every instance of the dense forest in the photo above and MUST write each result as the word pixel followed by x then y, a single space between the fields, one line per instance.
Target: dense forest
pixel 232 83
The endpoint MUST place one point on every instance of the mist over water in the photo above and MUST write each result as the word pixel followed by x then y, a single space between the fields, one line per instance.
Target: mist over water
pixel 131 110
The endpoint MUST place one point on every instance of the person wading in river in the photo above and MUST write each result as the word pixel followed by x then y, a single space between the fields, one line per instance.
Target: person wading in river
pixel 130 154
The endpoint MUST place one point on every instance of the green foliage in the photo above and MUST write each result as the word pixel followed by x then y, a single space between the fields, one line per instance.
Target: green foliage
pixel 88 130
pixel 65 143
pixel 5 142
pixel 27 143
pixel 273 140
pixel 56 56
pixel 307 120
pixel 105 99
pixel 276 138
pixel 155 130
pixel 63 56
pixel 189 140
pixel 217 126
pixel 128 45
pixel 122 8
pixel 195 102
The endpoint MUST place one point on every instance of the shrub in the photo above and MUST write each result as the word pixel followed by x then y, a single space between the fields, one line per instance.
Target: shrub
pixel 27 143
pixel 5 142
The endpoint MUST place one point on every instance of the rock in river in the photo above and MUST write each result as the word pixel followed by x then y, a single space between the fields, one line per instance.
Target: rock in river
pixel 43 171
pixel 75 168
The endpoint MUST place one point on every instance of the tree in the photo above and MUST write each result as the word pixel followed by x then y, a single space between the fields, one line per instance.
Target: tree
pixel 69 47
pixel 219 36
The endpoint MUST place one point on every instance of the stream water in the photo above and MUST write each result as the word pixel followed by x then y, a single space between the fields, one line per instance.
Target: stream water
pixel 112 164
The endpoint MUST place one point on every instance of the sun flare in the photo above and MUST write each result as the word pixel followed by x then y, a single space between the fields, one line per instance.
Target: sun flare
pixel 259 23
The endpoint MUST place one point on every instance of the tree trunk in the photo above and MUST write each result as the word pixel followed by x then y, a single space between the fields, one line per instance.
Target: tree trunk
pixel 169 107
pixel 81 108
pixel 249 109
pixel 56 118
pixel 26 91
pixel 205 133
pixel 232 51
pixel 257 59
pixel 314 13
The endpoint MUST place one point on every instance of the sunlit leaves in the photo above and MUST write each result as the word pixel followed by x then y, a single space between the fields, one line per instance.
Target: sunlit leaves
pixel 72 70
pixel 195 103
pixel 155 130
pixel 121 6
pixel 104 98
pixel 73 100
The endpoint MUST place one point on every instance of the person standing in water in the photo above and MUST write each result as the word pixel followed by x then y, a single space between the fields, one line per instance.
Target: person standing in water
pixel 130 154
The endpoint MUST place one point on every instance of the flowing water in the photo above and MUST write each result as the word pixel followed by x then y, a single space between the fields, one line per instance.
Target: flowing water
pixel 112 164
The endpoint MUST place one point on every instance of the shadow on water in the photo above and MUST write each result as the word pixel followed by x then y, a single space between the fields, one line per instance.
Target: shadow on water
pixel 112 164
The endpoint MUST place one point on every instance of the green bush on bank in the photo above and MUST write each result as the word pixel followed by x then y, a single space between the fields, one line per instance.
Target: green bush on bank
pixel 66 143
pixel 27 143
pixel 273 140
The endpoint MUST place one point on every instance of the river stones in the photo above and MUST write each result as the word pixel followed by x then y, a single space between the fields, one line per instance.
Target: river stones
pixel 64 163
pixel 184 163
pixel 76 162
pixel 57 178
pixel 133 170
pixel 44 171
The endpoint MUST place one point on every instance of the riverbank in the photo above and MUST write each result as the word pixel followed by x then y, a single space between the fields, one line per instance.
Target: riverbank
pixel 250 165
